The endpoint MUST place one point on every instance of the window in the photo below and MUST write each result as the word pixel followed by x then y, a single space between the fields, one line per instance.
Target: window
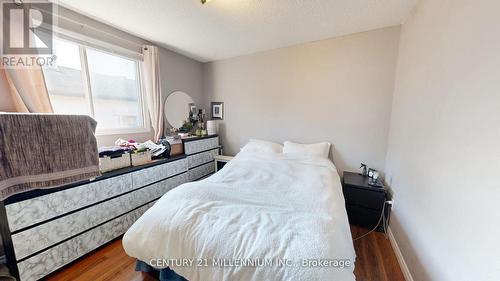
pixel 65 81
pixel 96 83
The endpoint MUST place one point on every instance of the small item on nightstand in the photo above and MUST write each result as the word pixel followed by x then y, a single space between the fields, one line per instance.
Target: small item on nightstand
pixel 373 182
pixel 364 168
pixel 374 179
pixel 370 172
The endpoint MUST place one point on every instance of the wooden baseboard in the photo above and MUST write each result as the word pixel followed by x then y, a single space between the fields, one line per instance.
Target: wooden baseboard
pixel 399 256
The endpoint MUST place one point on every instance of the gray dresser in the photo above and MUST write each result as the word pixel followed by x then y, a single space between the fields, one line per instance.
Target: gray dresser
pixel 44 230
pixel 200 154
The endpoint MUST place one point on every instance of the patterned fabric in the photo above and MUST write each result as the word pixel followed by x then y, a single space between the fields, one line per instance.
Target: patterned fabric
pixel 39 266
pixel 45 150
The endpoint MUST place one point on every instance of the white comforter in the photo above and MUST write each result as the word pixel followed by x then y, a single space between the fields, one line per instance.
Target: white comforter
pixel 268 209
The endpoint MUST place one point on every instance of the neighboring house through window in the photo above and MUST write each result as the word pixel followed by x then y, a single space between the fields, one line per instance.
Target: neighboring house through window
pixel 103 85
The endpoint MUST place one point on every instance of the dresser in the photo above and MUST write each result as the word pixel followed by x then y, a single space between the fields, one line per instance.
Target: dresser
pixel 45 230
pixel 200 153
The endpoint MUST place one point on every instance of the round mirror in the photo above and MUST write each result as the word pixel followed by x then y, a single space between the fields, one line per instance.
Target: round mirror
pixel 177 107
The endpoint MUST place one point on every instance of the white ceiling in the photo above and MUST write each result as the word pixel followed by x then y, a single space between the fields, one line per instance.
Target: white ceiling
pixel 223 29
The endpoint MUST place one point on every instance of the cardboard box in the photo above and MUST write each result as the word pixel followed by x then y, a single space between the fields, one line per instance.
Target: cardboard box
pixel 176 149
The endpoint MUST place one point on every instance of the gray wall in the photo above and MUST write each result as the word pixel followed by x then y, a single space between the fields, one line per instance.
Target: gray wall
pixel 444 145
pixel 337 90
pixel 180 73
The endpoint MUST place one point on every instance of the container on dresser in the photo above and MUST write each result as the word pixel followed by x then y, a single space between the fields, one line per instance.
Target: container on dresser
pixel 108 163
pixel 44 230
pixel 176 147
pixel 140 158
pixel 200 152
pixel 364 203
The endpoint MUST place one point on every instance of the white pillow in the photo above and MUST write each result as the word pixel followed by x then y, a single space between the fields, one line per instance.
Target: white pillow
pixel 262 147
pixel 310 150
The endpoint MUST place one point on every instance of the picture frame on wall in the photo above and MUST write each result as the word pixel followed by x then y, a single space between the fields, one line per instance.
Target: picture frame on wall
pixel 217 110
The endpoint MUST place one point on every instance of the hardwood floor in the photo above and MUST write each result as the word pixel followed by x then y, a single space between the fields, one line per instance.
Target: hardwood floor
pixel 106 264
pixel 375 259
pixel 375 262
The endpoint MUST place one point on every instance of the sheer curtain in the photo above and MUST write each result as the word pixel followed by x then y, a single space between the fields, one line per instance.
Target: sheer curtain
pixel 24 90
pixel 152 88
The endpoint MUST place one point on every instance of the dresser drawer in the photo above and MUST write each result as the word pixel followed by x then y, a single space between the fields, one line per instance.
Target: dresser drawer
pixel 45 235
pixel 364 198
pixel 39 266
pixel 202 158
pixel 195 146
pixel 39 209
pixel 201 171
pixel 156 173
pixel 364 217
pixel 173 168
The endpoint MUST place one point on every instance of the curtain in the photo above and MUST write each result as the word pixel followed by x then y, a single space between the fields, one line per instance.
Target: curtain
pixel 24 90
pixel 152 88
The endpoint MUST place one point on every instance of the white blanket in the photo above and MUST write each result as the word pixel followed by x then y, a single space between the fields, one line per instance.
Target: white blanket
pixel 285 214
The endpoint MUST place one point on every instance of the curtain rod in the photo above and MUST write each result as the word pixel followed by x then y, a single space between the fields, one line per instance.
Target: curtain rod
pixel 91 28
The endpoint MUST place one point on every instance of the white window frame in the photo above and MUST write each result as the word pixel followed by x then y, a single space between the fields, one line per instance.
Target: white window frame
pixel 144 116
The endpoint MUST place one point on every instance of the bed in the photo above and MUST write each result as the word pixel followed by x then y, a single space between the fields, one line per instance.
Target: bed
pixel 262 217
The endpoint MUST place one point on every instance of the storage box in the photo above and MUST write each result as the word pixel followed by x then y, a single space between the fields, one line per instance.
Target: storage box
pixel 176 149
pixel 140 158
pixel 107 163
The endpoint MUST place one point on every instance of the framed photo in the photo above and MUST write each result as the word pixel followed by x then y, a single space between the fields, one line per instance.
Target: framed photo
pixel 217 110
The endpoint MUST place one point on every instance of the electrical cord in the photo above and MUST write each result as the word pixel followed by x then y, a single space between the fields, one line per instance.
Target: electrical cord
pixel 386 221
pixel 382 216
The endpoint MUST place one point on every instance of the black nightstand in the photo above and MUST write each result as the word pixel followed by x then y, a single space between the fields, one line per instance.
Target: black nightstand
pixel 364 203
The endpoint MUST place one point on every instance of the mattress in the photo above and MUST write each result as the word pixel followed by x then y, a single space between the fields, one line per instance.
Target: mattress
pixel 262 217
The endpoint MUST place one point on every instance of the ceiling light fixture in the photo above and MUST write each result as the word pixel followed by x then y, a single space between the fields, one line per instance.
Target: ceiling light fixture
pixel 205 1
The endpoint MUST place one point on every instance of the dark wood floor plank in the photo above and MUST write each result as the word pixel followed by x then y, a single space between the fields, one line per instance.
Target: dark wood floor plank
pixel 375 261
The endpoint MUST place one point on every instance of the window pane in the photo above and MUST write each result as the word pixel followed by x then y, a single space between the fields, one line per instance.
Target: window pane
pixel 115 90
pixel 65 82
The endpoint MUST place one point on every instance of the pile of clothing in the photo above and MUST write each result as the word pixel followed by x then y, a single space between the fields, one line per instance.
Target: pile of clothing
pixel 112 151
pixel 122 146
